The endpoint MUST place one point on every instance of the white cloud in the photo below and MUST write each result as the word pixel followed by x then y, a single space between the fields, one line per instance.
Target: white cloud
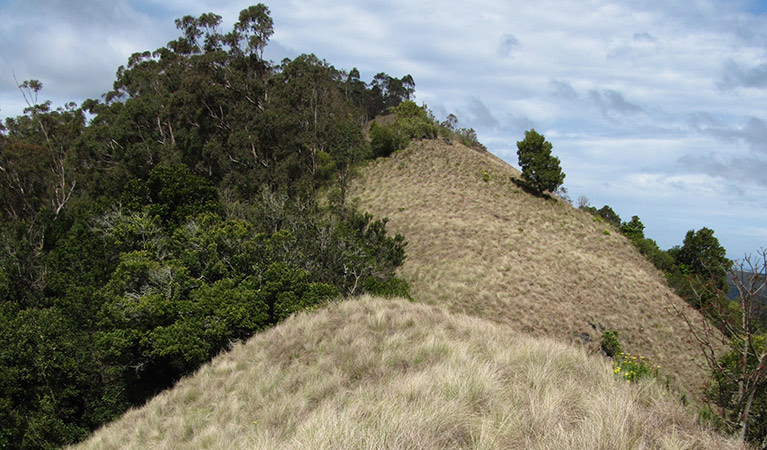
pixel 668 96
pixel 73 47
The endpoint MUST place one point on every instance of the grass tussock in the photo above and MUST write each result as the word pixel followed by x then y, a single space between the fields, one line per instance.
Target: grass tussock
pixel 371 373
pixel 480 245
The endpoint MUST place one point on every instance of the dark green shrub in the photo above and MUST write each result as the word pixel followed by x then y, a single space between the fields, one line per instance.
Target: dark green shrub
pixel 610 344
pixel 609 216
pixel 415 122
pixel 383 140
pixel 393 287
pixel 469 138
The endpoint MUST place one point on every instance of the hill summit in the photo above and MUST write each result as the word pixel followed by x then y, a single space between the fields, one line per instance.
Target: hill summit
pixel 382 373
pixel 504 283
pixel 480 245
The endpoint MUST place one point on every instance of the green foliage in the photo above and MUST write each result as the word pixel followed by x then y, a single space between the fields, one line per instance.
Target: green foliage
pixel 389 288
pixel 697 271
pixel 633 368
pixel 469 138
pixel 414 122
pixel 609 216
pixel 179 218
pixel 386 93
pixel 171 305
pixel 740 387
pixel 24 182
pixel 172 194
pixel 449 130
pixel 367 255
pixel 5 286
pixel 724 392
pixel 661 259
pixel 36 157
pixel 634 231
pixel 47 380
pixel 605 214
pixel 702 255
pixel 288 290
pixel 159 319
pixel 610 344
pixel 625 366
pixel 411 122
pixel 540 170
pixel 709 417
pixel 384 140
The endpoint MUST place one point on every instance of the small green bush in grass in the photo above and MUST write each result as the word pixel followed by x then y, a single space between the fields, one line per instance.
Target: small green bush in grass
pixel 632 368
pixel 610 344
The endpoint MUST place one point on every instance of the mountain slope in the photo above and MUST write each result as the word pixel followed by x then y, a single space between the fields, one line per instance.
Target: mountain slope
pixel 504 282
pixel 489 249
pixel 373 373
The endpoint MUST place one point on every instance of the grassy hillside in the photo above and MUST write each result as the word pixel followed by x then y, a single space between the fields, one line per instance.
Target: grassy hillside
pixel 504 282
pixel 479 245
pixel 372 373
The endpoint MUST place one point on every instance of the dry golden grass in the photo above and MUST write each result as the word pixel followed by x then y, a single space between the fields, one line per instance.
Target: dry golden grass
pixel 371 373
pixel 488 249
pixel 505 282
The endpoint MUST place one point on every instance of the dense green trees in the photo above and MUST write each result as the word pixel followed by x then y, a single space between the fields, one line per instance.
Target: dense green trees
pixel 143 233
pixel 701 254
pixel 540 170
pixel 699 274
pixel 387 92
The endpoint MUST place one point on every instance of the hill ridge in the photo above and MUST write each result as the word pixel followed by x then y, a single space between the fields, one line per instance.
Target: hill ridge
pixel 388 373
pixel 504 283
pixel 480 245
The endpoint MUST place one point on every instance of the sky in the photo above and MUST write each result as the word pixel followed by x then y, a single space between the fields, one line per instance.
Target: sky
pixel 658 109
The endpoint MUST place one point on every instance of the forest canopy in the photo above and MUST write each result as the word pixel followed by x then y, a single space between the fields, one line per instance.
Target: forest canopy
pixel 197 202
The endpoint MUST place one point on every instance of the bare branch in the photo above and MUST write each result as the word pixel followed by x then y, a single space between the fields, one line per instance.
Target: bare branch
pixel 747 373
